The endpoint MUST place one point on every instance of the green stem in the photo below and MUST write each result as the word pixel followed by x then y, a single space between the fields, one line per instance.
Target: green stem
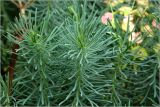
pixel 78 82
pixel 44 82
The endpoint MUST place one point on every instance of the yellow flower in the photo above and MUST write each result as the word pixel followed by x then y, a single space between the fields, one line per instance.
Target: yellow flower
pixel 140 11
pixel 143 2
pixel 113 2
pixel 125 23
pixel 139 52
pixel 125 10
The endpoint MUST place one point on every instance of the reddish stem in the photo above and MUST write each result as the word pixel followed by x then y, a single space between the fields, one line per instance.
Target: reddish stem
pixel 12 64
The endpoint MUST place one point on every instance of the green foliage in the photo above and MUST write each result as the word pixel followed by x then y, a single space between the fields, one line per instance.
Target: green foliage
pixel 67 57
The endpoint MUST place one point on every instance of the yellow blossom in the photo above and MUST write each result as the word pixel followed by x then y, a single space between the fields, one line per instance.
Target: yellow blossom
pixel 126 24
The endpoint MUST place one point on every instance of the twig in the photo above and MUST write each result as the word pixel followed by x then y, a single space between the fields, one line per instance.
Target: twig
pixel 12 66
pixel 14 2
pixel 20 3
pixel 29 3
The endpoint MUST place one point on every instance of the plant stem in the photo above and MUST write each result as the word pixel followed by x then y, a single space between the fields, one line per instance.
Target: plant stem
pixel 78 82
pixel 44 82
pixel 12 67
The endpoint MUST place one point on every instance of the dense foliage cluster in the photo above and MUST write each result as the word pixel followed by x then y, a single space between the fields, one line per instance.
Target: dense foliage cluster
pixel 80 53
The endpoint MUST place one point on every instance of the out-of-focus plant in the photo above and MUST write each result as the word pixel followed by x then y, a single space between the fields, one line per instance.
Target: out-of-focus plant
pixel 141 28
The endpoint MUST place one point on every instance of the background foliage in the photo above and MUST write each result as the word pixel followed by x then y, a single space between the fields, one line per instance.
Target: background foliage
pixel 68 57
